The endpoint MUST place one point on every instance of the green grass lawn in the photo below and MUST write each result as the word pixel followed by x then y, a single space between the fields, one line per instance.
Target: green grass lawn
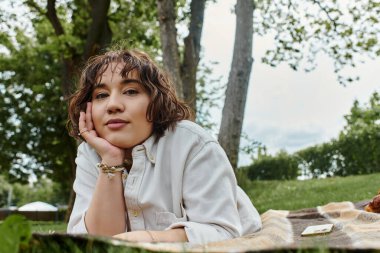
pixel 292 195
pixel 48 227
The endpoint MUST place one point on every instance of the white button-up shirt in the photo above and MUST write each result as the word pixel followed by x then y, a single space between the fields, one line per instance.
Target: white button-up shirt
pixel 183 179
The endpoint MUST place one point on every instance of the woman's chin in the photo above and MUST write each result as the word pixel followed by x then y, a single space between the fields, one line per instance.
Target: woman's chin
pixel 120 144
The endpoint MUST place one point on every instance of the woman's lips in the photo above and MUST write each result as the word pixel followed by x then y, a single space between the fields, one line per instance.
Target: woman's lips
pixel 115 124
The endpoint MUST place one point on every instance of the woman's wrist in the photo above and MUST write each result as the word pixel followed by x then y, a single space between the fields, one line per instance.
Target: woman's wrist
pixel 112 161
pixel 112 156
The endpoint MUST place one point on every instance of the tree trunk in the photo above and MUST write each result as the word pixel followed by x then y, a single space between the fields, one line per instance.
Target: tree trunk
pixel 71 177
pixel 67 63
pixel 191 55
pixel 237 86
pixel 168 35
pixel 99 33
pixel 51 14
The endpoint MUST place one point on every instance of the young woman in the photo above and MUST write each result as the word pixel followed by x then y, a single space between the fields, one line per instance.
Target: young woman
pixel 145 172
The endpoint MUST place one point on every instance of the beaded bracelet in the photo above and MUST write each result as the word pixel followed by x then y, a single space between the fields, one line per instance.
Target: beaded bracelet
pixel 110 170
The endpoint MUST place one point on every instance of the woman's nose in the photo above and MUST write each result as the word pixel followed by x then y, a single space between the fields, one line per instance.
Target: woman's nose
pixel 114 104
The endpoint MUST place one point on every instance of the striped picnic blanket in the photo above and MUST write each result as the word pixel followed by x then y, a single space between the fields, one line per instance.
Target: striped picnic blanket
pixel 353 229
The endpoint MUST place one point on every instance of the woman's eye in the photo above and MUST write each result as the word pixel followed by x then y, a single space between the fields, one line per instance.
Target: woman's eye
pixel 101 95
pixel 131 92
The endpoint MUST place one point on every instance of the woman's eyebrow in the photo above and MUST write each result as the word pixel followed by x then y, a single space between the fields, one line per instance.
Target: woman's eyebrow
pixel 130 80
pixel 124 82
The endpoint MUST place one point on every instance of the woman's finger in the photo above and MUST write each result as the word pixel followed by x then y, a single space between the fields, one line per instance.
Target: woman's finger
pixel 82 124
pixel 89 124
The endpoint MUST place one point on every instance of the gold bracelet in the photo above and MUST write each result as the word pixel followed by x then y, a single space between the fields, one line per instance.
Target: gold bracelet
pixel 110 170
pixel 151 236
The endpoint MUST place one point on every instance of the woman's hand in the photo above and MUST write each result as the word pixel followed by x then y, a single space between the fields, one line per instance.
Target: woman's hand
pixel 110 154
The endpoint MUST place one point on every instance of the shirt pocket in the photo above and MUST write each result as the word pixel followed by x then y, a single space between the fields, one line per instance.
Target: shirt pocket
pixel 165 219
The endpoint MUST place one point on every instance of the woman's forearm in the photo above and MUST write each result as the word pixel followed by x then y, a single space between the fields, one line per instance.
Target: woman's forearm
pixel 106 213
pixel 171 235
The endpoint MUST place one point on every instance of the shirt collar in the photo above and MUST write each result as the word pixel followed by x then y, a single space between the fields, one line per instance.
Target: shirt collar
pixel 150 151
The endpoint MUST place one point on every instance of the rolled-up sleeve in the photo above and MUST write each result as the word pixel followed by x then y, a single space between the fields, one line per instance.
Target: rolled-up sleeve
pixel 209 197
pixel 84 185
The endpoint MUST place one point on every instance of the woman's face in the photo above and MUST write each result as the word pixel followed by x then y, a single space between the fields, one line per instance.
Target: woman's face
pixel 119 107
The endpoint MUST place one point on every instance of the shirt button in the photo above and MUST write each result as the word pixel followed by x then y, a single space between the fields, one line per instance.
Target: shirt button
pixel 135 213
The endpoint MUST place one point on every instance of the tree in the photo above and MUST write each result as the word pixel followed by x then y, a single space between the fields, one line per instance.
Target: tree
pixel 359 142
pixel 39 61
pixel 282 166
pixel 318 160
pixel 345 31
pixel 184 72
pixel 238 80
pixel 44 190
pixel 183 68
pixel 355 151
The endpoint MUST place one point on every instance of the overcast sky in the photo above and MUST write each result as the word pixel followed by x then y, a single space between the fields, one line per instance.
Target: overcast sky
pixel 285 109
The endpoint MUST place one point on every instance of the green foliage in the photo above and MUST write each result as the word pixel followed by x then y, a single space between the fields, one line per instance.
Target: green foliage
pixel 209 93
pixel 242 178
pixel 357 149
pixel 15 234
pixel 282 166
pixel 317 160
pixel 34 114
pixel 251 147
pixel 298 194
pixel 343 30
pixel 133 23
pixel 359 143
pixel 43 190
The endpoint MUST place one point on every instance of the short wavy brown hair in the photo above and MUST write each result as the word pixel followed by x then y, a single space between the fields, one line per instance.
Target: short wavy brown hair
pixel 164 109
